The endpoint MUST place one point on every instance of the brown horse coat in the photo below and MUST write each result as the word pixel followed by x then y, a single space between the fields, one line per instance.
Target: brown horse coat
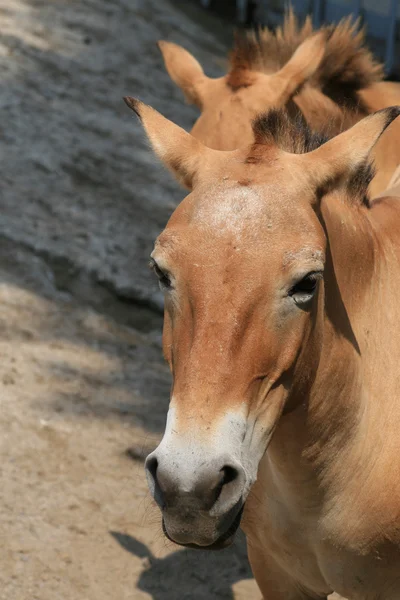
pixel 282 333
pixel 330 75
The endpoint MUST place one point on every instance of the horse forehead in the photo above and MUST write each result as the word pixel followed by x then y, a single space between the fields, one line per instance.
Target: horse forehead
pixel 232 210
pixel 244 208
pixel 239 89
pixel 239 227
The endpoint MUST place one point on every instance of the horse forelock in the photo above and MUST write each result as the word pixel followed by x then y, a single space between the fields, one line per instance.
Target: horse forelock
pixel 291 133
pixel 347 67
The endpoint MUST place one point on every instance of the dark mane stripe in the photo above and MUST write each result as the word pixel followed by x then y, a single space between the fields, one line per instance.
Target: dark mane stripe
pixel 348 66
pixel 291 133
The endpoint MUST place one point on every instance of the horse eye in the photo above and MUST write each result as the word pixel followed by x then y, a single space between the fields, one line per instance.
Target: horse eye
pixel 303 291
pixel 163 277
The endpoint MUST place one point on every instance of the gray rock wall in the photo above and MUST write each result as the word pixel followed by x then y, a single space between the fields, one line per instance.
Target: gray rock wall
pixel 78 183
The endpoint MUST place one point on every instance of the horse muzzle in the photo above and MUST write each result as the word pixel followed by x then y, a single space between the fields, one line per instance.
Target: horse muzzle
pixel 201 500
pixel 224 531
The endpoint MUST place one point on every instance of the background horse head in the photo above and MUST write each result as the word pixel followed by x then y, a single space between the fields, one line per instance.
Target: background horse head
pixel 329 75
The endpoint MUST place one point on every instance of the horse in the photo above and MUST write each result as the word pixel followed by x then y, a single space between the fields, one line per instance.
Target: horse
pixel 329 74
pixel 281 330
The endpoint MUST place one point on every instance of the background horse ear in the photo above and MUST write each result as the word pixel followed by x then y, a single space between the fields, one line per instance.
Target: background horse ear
pixel 184 70
pixel 302 66
pixel 345 158
pixel 178 150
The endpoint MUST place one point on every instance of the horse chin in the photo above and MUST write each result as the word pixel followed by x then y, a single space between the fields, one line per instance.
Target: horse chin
pixel 223 541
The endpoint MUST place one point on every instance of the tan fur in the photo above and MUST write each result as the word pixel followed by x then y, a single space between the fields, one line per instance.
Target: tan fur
pixel 184 155
pixel 184 70
pixel 322 382
pixel 346 67
pixel 333 88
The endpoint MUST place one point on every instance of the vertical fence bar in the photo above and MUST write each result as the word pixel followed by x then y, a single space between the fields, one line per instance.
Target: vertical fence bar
pixel 318 10
pixel 391 39
pixel 241 10
pixel 358 7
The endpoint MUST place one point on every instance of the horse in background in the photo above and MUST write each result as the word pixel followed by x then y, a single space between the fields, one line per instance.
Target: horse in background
pixel 329 75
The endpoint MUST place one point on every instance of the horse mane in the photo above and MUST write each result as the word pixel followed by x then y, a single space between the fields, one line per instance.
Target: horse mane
pixel 290 132
pixel 347 67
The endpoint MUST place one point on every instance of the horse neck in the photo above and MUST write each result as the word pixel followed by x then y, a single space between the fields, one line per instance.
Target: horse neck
pixel 323 114
pixel 351 415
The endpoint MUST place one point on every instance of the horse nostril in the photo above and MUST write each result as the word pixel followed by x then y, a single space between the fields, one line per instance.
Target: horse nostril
pixel 152 466
pixel 210 487
pixel 229 474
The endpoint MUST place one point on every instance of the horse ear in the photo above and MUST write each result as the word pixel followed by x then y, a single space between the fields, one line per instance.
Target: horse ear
pixel 347 154
pixel 302 66
pixel 184 70
pixel 178 150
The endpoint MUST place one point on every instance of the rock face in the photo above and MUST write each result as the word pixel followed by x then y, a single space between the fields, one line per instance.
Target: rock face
pixel 79 184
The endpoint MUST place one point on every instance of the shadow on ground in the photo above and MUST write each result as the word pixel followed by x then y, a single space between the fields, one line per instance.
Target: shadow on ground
pixel 197 575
